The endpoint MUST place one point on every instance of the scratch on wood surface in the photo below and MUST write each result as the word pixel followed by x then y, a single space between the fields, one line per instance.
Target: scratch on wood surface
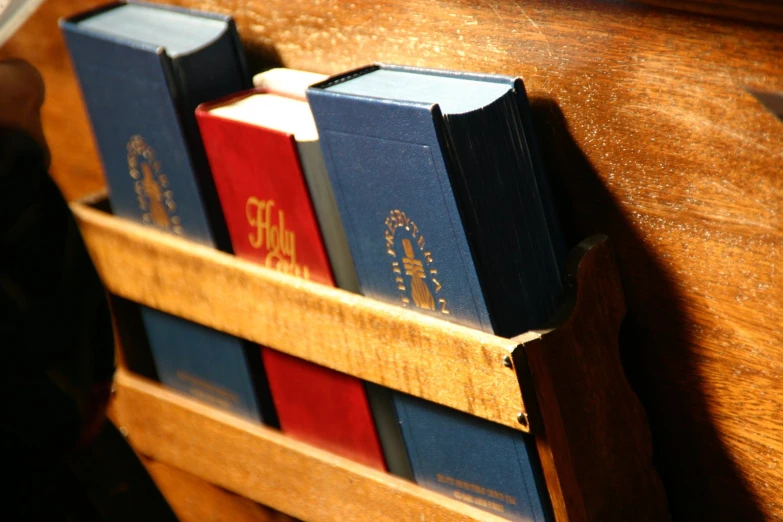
pixel 704 121
pixel 495 10
pixel 524 13
pixel 691 118
pixel 538 30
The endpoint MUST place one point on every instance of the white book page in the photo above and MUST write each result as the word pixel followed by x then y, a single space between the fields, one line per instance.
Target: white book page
pixel 288 82
pixel 280 113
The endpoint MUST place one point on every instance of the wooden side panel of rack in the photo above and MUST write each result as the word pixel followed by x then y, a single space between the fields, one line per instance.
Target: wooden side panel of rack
pixel 594 443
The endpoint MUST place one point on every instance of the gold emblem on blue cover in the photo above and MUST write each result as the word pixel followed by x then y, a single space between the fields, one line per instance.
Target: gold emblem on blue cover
pixel 413 266
pixel 156 200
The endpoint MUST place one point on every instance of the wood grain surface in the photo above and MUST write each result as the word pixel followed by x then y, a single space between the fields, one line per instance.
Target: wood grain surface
pixel 764 11
pixel 262 464
pixel 650 136
pixel 195 500
pixel 428 358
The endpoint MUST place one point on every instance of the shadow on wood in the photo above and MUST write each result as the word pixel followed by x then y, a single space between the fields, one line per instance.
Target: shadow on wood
pixel 660 366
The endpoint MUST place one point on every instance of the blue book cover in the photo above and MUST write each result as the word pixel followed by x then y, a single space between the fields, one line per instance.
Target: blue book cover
pixel 143 69
pixel 447 213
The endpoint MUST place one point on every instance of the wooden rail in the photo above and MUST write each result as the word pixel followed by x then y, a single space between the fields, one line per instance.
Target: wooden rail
pixel 590 430
pixel 432 359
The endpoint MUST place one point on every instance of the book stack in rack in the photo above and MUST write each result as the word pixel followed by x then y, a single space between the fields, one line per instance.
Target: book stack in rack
pixel 445 214
pixel 260 144
pixel 142 71
pixel 419 188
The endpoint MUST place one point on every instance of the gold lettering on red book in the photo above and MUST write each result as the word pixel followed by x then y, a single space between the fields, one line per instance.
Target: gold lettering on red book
pixel 268 233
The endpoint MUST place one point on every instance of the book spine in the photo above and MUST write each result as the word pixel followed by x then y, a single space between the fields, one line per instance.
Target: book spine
pixel 325 208
pixel 206 364
pixel 473 460
pixel 387 424
pixel 213 72
pixel 271 221
pixel 390 180
pixel 133 94
pixel 381 399
pixel 129 96
pixel 404 230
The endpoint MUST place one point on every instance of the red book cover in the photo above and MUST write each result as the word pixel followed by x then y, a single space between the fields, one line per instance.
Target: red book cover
pixel 270 218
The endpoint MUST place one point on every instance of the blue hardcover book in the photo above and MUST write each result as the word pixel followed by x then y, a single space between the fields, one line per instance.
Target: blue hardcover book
pixel 143 69
pixel 447 212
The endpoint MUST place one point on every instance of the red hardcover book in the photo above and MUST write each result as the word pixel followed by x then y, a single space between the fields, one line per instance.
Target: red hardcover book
pixel 253 142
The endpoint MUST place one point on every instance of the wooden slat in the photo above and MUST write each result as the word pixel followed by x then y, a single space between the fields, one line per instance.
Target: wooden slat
pixel 406 351
pixel 266 466
pixel 195 499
